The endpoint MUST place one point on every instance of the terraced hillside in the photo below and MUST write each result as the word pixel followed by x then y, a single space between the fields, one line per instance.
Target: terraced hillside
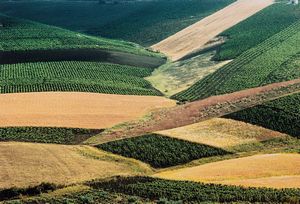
pixel 252 68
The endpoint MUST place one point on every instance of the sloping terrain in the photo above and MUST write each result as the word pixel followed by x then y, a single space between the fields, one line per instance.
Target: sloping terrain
pixel 30 164
pixel 219 132
pixel 192 38
pixel 269 167
pixel 78 110
pixel 252 68
pixel 145 22
pixel 198 111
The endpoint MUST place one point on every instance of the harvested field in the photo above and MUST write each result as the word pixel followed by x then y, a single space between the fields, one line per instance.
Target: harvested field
pixel 267 170
pixel 78 110
pixel 221 132
pixel 30 164
pixel 197 111
pixel 194 37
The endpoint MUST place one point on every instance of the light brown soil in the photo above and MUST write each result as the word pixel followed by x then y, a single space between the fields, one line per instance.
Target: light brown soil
pixel 220 132
pixel 78 110
pixel 24 164
pixel 267 170
pixel 194 112
pixel 194 37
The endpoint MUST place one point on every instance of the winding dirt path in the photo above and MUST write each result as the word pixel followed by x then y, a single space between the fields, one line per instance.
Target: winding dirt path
pixel 73 109
pixel 192 38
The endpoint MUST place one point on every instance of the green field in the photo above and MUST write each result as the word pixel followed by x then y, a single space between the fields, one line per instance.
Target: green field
pixel 255 67
pixel 22 35
pixel 75 76
pixel 282 115
pixel 257 28
pixel 143 22
pixel 46 135
pixel 160 151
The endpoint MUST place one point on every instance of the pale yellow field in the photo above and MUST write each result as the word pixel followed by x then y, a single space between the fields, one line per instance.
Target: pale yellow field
pixel 267 170
pixel 73 109
pixel 221 132
pixel 24 164
pixel 192 38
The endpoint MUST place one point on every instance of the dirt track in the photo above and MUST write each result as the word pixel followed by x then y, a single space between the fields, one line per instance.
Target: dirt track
pixel 78 110
pixel 24 164
pixel 192 38
pixel 267 170
pixel 197 111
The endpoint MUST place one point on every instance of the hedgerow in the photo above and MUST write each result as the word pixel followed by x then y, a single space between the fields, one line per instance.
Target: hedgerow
pixel 161 151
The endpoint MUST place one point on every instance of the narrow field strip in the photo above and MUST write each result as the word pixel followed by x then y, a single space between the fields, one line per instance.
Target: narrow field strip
pixel 266 170
pixel 192 38
pixel 77 110
pixel 28 164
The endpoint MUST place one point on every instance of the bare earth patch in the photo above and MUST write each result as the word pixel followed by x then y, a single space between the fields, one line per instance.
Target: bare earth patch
pixel 222 133
pixel 78 110
pixel 24 164
pixel 194 37
pixel 266 170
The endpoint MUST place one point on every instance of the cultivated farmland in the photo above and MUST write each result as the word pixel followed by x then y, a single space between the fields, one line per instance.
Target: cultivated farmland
pixel 222 133
pixel 77 110
pixel 192 38
pixel 253 68
pixel 75 76
pixel 236 171
pixel 30 164
pixel 160 151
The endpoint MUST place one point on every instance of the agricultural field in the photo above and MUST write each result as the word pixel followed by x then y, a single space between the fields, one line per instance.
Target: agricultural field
pixel 23 35
pixel 281 115
pixel 236 171
pixel 60 164
pixel 193 38
pixel 160 151
pixel 143 22
pixel 257 29
pixel 74 109
pixel 46 135
pixel 75 76
pixel 252 68
pixel 222 133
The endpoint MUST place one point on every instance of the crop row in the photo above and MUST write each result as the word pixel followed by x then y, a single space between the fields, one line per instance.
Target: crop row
pixel 256 29
pixel 160 151
pixel 46 134
pixel 17 34
pixel 191 192
pixel 251 69
pixel 282 115
pixel 75 76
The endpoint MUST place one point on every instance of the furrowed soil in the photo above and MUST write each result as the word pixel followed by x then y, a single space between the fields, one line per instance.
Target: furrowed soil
pixel 28 164
pixel 265 170
pixel 198 111
pixel 194 37
pixel 76 110
pixel 220 132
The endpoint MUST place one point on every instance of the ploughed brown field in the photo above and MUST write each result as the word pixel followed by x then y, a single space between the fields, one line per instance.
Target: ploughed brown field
pixel 28 164
pixel 194 37
pixel 265 170
pixel 78 110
